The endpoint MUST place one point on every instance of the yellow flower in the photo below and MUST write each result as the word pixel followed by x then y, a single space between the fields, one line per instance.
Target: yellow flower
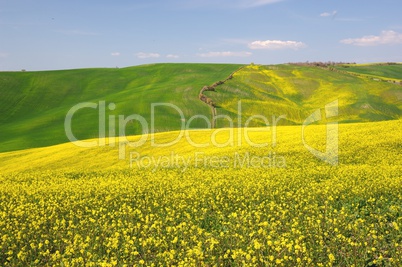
pixel 331 257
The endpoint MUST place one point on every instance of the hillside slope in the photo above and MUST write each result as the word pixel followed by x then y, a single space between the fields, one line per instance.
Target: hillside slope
pixel 83 206
pixel 296 91
pixel 381 140
pixel 385 71
pixel 33 105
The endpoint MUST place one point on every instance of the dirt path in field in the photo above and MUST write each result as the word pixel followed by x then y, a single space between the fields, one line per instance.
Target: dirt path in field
pixel 209 101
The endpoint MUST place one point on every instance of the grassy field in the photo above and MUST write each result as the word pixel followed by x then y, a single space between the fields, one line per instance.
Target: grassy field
pixel 34 104
pixel 296 91
pixel 252 196
pixel 70 206
pixel 379 70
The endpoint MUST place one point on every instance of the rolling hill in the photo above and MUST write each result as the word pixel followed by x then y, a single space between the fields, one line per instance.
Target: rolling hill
pixel 34 105
pixel 380 70
pixel 227 196
pixel 235 205
pixel 296 91
pixel 380 138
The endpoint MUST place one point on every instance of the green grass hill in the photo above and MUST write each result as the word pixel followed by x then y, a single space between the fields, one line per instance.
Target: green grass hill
pixel 33 105
pixel 296 91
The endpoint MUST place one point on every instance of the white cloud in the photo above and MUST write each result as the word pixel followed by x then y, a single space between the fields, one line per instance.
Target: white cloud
pixel 385 38
pixel 226 54
pixel 115 54
pixel 276 45
pixel 143 55
pixel 328 14
pixel 172 56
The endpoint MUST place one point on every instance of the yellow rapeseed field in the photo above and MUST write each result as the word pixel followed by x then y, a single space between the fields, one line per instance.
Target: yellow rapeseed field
pixel 69 206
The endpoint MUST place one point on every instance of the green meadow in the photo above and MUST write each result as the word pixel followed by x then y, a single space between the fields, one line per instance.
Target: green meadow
pixel 34 104
pixel 250 196
pixel 384 70
pixel 296 91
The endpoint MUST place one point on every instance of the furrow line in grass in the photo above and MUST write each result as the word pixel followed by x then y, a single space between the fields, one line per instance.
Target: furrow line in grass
pixel 208 100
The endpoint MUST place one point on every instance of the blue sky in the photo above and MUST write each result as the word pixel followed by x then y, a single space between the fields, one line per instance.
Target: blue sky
pixel 55 34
